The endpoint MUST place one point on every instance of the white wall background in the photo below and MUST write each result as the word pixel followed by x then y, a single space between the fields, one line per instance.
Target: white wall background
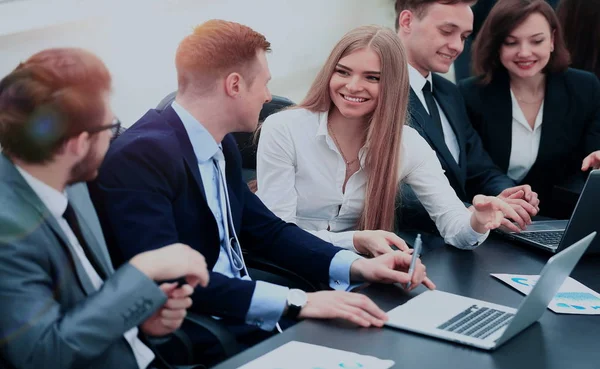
pixel 137 39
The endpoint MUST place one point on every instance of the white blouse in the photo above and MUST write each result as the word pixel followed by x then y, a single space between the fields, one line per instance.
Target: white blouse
pixel 300 175
pixel 525 142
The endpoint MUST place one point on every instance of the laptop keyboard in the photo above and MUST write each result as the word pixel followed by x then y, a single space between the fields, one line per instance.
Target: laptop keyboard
pixel 549 238
pixel 477 322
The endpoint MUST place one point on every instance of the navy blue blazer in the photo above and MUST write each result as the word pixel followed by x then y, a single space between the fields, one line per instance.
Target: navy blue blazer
pixel 475 173
pixel 570 128
pixel 149 194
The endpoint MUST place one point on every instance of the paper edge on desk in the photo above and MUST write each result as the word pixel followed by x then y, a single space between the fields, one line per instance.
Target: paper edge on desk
pixel 262 361
pixel 558 306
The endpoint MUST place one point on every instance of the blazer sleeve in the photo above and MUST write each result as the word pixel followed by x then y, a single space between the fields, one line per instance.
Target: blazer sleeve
pixel 483 175
pixel 135 190
pixel 592 136
pixel 283 243
pixel 36 328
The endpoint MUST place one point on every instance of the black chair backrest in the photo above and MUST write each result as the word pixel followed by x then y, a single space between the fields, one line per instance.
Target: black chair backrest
pixel 246 142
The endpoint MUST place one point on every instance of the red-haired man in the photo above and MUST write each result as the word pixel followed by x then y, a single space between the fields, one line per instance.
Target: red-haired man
pixel 175 176
pixel 63 305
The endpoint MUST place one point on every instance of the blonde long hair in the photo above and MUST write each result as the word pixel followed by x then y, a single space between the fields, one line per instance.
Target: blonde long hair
pixel 384 133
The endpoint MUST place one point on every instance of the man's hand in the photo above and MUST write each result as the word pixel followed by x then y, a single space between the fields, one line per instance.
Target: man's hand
pixel 490 212
pixel 375 243
pixel 170 316
pixel 172 262
pixel 524 201
pixel 390 268
pixel 354 307
pixel 592 161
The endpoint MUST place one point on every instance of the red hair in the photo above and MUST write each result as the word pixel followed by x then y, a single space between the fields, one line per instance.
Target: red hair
pixel 215 49
pixel 54 95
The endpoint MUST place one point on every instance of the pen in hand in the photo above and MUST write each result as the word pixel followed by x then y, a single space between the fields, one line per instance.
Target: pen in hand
pixel 413 261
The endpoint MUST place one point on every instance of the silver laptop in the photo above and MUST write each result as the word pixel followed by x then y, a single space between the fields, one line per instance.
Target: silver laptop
pixel 482 324
pixel 556 235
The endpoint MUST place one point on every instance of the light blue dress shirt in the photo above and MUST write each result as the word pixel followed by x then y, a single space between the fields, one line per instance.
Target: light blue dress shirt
pixel 268 301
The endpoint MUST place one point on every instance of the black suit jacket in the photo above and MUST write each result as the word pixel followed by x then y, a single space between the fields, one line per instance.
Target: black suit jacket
pixel 475 173
pixel 149 193
pixel 570 128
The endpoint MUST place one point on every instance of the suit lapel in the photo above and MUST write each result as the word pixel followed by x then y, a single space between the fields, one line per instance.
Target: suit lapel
pixel 498 111
pixel 432 134
pixel 186 147
pixel 444 99
pixel 103 266
pixel 556 107
pixel 23 190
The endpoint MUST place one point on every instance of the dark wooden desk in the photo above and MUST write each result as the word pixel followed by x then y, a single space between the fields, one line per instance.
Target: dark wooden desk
pixel 557 341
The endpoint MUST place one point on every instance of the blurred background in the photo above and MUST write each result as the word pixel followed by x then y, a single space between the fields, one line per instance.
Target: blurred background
pixel 137 39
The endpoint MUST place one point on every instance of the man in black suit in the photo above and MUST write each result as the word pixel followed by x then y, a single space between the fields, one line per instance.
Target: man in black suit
pixel 433 33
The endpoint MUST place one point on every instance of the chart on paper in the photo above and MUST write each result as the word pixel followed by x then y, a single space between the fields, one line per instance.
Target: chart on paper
pixel 572 298
pixel 300 355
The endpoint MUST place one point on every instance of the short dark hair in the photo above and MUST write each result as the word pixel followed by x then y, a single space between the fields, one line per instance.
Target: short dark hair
pixel 419 7
pixel 580 20
pixel 505 16
pixel 54 95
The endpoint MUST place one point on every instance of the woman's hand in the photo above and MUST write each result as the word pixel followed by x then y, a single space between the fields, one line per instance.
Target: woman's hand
pixel 375 243
pixel 489 212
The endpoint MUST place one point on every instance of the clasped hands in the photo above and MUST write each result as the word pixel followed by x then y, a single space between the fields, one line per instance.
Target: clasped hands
pixel 518 204
pixel 168 263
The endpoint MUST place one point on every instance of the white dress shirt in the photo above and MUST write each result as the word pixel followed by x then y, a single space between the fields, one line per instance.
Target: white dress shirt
pixel 417 81
pixel 56 202
pixel 525 141
pixel 300 175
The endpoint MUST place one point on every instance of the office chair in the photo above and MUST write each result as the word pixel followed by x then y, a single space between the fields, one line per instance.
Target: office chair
pixel 247 143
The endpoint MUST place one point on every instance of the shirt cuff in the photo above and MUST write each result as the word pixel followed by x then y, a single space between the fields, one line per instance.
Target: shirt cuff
pixel 267 305
pixel 474 238
pixel 344 240
pixel 339 270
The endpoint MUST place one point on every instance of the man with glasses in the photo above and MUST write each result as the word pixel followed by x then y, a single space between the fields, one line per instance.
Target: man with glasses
pixel 63 305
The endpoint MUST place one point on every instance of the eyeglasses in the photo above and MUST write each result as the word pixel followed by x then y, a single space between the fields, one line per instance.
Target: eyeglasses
pixel 114 127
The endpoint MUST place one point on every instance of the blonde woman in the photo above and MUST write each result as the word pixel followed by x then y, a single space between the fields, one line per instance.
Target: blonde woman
pixel 333 164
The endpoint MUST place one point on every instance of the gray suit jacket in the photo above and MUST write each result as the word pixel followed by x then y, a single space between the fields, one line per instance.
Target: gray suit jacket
pixel 50 314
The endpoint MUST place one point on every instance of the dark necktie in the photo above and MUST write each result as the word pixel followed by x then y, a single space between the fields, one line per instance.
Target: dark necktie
pixel 71 219
pixel 432 107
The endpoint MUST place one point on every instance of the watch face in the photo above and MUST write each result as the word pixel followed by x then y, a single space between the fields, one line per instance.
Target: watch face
pixel 297 297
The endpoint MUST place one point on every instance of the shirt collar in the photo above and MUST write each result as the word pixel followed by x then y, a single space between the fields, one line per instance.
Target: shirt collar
pixel 54 200
pixel 417 81
pixel 519 116
pixel 322 130
pixel 204 145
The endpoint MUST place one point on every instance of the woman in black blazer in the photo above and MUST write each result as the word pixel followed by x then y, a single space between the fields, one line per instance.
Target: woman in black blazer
pixel 538 119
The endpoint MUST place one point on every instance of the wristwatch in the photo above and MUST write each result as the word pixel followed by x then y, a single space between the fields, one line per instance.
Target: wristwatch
pixel 296 300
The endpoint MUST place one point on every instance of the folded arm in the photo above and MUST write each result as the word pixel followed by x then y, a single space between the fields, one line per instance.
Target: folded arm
pixel 37 329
